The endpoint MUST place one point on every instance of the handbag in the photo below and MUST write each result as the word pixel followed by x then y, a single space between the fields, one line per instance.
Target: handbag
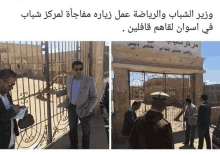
pixel 27 121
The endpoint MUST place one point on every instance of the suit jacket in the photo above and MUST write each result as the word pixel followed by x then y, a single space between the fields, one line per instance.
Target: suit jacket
pixel 129 119
pixel 104 104
pixel 86 97
pixel 151 131
pixel 204 114
pixel 5 124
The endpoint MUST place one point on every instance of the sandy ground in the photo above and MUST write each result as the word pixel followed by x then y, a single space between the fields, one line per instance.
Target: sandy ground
pixel 177 128
pixel 172 112
pixel 179 138
pixel 98 137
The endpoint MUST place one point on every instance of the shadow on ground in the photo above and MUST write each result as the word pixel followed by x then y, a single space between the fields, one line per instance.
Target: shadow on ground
pixel 98 137
pixel 187 147
pixel 121 143
pixel 179 137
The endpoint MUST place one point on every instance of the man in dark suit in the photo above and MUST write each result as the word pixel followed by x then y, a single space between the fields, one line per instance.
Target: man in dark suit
pixel 204 114
pixel 152 131
pixel 104 107
pixel 129 117
pixel 8 126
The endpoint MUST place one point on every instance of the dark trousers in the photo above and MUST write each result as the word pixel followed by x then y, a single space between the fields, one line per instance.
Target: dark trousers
pixel 204 133
pixel 73 123
pixel 107 133
pixel 12 147
pixel 190 129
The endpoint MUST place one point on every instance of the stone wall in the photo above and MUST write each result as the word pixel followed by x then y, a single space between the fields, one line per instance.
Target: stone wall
pixel 134 59
pixel 149 57
pixel 215 114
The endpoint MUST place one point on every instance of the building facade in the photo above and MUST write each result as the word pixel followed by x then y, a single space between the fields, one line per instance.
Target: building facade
pixel 172 67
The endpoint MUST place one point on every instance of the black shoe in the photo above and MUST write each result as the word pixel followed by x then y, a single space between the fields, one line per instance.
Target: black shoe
pixel 191 145
pixel 72 148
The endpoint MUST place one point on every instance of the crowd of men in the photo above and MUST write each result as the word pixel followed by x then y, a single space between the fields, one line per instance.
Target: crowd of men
pixel 153 131
pixel 150 131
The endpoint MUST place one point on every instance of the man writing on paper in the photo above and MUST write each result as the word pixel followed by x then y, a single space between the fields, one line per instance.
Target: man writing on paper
pixel 8 125
pixel 81 99
pixel 191 121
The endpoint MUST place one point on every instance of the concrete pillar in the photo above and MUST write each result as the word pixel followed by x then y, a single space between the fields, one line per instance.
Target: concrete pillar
pixel 218 99
pixel 198 88
pixel 97 54
pixel 121 101
pixel 192 88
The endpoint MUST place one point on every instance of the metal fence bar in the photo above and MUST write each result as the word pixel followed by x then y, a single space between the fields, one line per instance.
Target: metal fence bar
pixel 144 94
pixel 129 84
pixel 176 86
pixel 15 67
pixel 39 69
pixel 52 76
pixel 38 81
pixel 8 64
pixel 22 73
pixel 165 92
pixel 48 94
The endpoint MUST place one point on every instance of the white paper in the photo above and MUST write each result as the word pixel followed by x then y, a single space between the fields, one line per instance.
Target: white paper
pixel 20 114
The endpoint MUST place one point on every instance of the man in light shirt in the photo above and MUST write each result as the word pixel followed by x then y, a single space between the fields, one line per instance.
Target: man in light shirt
pixel 191 120
pixel 8 125
pixel 81 99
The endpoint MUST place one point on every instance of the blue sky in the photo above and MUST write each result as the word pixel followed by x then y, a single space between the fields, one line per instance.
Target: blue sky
pixel 210 50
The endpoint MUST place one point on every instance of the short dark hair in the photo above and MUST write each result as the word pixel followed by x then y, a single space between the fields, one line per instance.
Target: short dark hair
pixel 136 103
pixel 188 100
pixel 7 73
pixel 204 97
pixel 76 63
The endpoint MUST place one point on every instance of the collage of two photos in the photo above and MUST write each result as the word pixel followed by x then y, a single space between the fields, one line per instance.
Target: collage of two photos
pixel 55 95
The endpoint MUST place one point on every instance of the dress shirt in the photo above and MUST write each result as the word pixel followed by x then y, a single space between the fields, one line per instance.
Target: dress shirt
pixel 190 110
pixel 75 88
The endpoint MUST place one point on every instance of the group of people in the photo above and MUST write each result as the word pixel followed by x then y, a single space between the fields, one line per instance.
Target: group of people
pixel 153 131
pixel 81 99
pixel 150 131
pixel 200 119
